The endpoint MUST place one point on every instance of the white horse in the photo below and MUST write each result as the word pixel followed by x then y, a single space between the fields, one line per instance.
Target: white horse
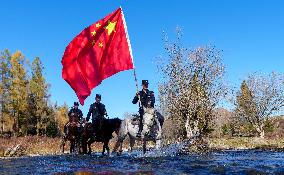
pixel 151 130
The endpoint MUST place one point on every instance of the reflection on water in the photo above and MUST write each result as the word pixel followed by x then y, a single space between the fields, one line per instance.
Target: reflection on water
pixel 226 162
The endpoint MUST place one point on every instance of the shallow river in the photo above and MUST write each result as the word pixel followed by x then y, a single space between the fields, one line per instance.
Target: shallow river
pixel 225 162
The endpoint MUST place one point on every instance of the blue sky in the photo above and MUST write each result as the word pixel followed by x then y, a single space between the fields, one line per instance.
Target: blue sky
pixel 250 33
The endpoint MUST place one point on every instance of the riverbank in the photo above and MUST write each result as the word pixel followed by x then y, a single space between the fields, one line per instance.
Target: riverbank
pixel 35 145
pixel 241 143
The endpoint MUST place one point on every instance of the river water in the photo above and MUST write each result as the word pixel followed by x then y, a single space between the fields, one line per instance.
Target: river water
pixel 249 162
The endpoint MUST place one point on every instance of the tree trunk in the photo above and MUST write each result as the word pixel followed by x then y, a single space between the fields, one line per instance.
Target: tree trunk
pixel 260 131
pixel 191 132
pixel 261 134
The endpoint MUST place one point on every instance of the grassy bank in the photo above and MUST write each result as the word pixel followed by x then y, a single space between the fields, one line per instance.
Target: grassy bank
pixel 31 145
pixel 34 145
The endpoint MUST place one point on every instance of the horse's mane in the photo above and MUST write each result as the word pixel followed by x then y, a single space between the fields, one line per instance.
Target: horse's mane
pixel 115 121
pixel 150 111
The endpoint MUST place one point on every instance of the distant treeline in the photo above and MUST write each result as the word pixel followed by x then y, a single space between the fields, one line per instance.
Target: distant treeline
pixel 25 108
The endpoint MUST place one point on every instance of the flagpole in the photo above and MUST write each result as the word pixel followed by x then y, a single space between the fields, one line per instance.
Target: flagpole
pixel 134 69
pixel 135 78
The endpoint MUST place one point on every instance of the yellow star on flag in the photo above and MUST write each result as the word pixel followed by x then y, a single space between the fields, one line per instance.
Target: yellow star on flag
pixel 98 25
pixel 110 27
pixel 93 33
pixel 101 44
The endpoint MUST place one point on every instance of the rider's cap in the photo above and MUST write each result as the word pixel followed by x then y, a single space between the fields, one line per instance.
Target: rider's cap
pixel 76 104
pixel 145 82
pixel 98 96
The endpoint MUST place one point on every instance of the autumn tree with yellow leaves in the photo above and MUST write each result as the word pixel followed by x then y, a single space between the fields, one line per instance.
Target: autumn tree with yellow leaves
pixel 24 98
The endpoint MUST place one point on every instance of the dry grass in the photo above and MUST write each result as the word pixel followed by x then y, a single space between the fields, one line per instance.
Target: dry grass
pixel 35 145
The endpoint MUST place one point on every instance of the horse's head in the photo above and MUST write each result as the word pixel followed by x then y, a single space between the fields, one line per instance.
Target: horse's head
pixel 148 120
pixel 88 129
pixel 73 130
pixel 115 123
pixel 74 117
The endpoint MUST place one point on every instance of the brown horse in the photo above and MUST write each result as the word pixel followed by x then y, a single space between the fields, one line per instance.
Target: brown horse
pixel 73 134
pixel 104 135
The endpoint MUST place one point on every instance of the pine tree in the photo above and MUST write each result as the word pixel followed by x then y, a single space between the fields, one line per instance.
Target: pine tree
pixel 5 81
pixel 246 103
pixel 38 98
pixel 18 91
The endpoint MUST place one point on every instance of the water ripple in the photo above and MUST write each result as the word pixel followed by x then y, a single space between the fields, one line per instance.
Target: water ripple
pixel 165 161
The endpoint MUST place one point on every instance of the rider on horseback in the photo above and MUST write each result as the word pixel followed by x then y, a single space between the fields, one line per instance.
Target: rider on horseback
pixel 147 99
pixel 98 111
pixel 73 111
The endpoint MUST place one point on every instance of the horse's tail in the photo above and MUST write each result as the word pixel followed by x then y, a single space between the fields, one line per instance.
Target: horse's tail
pixel 160 117
pixel 123 130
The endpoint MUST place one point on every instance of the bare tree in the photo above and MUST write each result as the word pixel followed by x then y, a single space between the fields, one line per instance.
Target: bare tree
pixel 260 97
pixel 192 85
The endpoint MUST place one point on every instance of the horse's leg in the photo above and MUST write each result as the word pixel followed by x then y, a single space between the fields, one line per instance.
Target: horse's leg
pixel 79 145
pixel 158 138
pixel 120 148
pixel 89 146
pixel 158 143
pixel 63 144
pixel 144 146
pixel 84 145
pixel 131 143
pixel 118 144
pixel 71 146
pixel 106 146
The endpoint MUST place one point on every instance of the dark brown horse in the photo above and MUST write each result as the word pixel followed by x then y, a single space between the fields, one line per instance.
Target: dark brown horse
pixel 108 126
pixel 73 134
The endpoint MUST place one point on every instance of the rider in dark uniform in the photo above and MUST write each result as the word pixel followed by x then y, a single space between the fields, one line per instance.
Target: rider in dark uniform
pixel 75 110
pixel 98 112
pixel 147 99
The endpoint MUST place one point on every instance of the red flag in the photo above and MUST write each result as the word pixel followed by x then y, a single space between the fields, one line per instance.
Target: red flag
pixel 98 52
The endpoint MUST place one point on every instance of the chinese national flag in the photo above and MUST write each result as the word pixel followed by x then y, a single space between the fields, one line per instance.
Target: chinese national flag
pixel 98 52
